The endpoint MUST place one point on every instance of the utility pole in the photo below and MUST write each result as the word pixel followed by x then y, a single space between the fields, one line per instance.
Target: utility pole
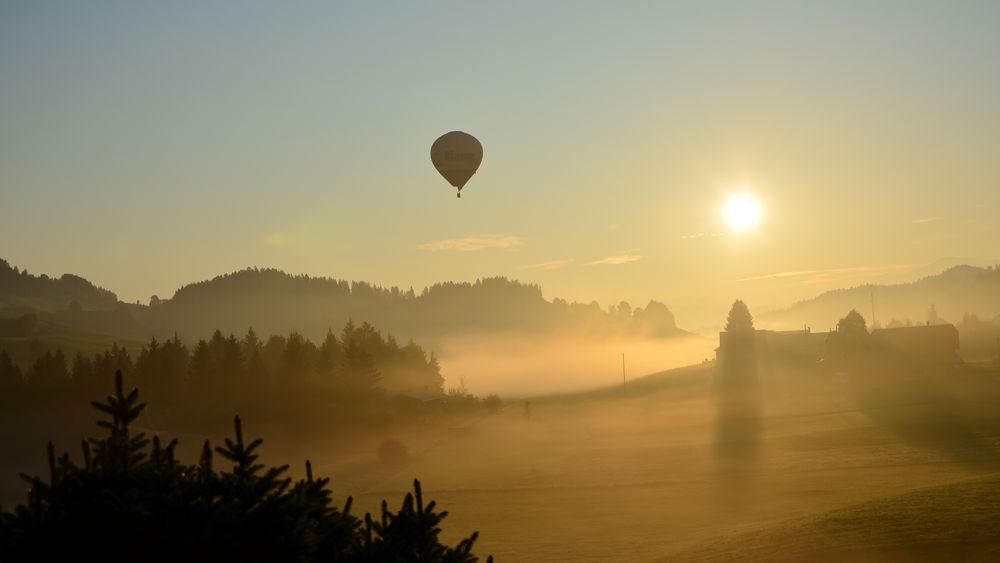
pixel 873 310
pixel 623 373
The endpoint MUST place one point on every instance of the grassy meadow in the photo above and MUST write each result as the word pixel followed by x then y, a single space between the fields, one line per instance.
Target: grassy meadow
pixel 638 474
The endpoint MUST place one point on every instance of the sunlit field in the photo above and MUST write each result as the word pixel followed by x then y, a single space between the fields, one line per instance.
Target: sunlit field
pixel 636 475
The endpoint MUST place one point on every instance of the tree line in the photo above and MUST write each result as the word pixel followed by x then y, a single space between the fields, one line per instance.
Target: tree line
pixel 19 289
pixel 359 359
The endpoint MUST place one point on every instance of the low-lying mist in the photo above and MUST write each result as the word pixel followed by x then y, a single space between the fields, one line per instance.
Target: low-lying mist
pixel 516 365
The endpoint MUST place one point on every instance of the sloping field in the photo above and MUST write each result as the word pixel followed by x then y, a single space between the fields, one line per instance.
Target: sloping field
pixel 956 522
pixel 654 470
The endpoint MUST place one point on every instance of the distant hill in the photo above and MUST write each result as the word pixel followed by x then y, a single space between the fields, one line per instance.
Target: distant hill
pixel 954 292
pixel 24 292
pixel 274 302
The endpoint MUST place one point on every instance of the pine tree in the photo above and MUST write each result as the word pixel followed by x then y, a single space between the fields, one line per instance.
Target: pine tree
pixel 329 356
pixel 82 371
pixel 121 451
pixel 122 360
pixel 202 366
pixel 10 374
pixel 294 364
pixel 357 367
pixel 272 352
pixel 231 361
pixel 149 364
pixel 176 360
pixel 250 343
pixel 347 335
pixel 412 534
pixel 739 320
pixel 252 487
pixel 49 371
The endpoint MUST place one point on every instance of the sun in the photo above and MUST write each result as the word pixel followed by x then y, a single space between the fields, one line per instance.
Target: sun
pixel 742 212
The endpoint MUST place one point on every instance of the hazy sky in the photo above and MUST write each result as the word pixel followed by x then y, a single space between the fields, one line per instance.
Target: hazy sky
pixel 144 146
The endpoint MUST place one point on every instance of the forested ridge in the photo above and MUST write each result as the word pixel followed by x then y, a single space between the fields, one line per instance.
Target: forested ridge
pixel 275 302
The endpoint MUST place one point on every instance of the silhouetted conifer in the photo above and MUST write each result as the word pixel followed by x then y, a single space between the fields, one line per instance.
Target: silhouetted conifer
pixel 131 500
pixel 357 367
pixel 412 534
pixel 202 366
pixel 82 371
pixel 49 371
pixel 10 374
pixel 295 358
pixel 121 450
pixel 329 356
pixel 739 319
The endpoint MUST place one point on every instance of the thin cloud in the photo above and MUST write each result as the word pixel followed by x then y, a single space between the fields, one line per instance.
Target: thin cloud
pixel 782 275
pixel 471 243
pixel 933 219
pixel 879 269
pixel 615 260
pixel 550 265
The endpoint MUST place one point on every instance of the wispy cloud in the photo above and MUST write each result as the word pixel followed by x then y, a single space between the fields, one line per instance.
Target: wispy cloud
pixel 782 275
pixel 471 243
pixel 933 219
pixel 615 260
pixel 550 265
pixel 870 269
pixel 700 235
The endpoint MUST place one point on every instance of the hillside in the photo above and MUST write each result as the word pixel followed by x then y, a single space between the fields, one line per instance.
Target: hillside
pixel 274 302
pixel 954 292
pixel 955 522
pixel 27 336
pixel 21 291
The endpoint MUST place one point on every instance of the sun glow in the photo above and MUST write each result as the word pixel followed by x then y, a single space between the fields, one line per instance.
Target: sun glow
pixel 742 212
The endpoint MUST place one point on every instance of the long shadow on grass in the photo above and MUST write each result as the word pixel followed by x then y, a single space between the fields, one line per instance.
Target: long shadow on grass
pixel 738 425
pixel 926 414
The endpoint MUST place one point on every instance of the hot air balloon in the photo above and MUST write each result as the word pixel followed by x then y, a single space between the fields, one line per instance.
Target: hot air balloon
pixel 457 156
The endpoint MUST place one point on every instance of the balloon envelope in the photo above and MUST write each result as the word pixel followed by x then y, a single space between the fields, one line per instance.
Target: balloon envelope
pixel 457 156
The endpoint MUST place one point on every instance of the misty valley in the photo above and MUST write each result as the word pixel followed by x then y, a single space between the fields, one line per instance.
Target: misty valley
pixel 760 444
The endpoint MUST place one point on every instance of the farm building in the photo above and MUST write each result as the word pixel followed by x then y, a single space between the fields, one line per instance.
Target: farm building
pixel 794 345
pixel 921 347
pixel 915 348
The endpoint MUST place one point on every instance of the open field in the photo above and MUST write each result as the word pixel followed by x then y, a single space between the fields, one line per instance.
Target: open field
pixel 955 522
pixel 665 470
pixel 641 475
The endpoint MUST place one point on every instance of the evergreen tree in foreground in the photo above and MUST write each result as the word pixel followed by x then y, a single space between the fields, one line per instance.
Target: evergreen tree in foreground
pixel 131 500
